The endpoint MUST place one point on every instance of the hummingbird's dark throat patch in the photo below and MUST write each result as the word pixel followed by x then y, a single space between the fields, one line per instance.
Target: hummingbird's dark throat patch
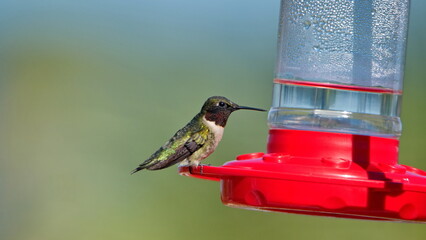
pixel 219 117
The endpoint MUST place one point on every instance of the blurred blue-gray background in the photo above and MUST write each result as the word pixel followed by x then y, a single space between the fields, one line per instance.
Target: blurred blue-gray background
pixel 89 89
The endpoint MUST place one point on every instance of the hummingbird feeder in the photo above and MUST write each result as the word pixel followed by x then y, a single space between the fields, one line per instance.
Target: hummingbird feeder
pixel 335 119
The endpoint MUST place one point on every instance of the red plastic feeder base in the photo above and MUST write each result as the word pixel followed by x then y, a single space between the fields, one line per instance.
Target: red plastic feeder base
pixel 324 174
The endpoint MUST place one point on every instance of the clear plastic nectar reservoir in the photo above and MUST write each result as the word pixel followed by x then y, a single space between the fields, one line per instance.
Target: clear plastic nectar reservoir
pixel 340 66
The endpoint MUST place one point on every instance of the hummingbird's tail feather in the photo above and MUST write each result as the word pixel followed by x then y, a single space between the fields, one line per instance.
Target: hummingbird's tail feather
pixel 142 166
pixel 136 170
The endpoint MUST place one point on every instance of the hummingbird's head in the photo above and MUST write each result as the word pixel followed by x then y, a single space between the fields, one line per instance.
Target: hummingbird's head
pixel 217 109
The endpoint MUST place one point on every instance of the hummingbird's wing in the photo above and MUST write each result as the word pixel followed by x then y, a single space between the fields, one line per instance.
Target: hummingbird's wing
pixel 180 154
pixel 177 149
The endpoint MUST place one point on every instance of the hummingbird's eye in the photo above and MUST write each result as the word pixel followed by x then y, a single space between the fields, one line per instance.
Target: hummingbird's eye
pixel 221 104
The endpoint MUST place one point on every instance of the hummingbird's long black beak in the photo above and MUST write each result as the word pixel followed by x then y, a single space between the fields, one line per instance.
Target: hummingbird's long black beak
pixel 249 108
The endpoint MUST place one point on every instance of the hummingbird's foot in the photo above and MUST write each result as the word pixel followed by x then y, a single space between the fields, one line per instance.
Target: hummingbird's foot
pixel 201 166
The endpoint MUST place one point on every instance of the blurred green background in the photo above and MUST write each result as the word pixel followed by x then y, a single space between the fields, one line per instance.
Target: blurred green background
pixel 89 89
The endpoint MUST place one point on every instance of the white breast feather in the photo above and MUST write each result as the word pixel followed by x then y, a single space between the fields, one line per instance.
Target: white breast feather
pixel 217 130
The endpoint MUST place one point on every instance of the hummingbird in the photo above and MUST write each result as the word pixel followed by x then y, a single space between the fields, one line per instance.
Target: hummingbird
pixel 198 139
